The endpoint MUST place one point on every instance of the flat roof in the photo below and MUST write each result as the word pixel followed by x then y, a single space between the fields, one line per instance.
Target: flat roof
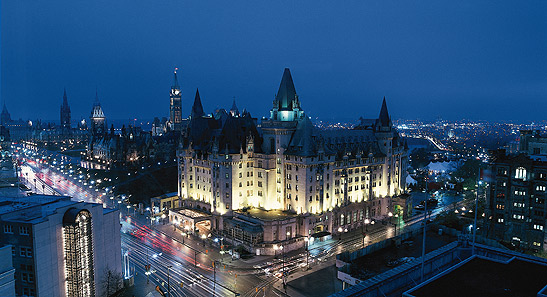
pixel 268 215
pixel 480 277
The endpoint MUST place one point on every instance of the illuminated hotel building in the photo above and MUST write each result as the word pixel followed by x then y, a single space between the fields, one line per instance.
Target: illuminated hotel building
pixel 60 247
pixel 317 180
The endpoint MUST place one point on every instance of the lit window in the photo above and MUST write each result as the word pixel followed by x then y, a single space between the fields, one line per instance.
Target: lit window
pixel 520 173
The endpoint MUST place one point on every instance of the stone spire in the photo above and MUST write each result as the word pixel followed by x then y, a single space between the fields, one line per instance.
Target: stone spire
pixel 175 81
pixel 197 108
pixel 286 95
pixel 65 100
pixel 65 113
pixel 384 115
pixel 234 111
pixel 5 117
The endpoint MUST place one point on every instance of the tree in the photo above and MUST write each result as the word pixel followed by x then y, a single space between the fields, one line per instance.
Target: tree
pixel 468 172
pixel 111 282
pixel 419 158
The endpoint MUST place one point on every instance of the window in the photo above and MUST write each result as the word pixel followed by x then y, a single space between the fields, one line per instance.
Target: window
pixel 8 229
pixel 538 227
pixel 226 175
pixel 260 193
pixel 24 230
pixel 540 188
pixel 259 174
pixel 13 250
pixel 520 173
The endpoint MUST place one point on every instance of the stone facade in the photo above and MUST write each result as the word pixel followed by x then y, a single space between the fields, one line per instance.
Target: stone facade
pixel 332 178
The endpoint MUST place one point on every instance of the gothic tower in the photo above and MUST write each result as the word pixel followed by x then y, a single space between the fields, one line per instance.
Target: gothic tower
pixel 5 117
pixel 65 114
pixel 175 106
pixel 286 106
pixel 97 118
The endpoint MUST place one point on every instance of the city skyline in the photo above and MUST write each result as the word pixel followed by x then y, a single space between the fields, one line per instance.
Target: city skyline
pixel 432 62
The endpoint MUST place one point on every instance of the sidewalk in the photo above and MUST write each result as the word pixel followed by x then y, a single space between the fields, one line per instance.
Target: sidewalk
pixel 211 250
pixel 141 288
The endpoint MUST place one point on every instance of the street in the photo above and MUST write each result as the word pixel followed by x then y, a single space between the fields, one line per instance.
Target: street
pixel 190 265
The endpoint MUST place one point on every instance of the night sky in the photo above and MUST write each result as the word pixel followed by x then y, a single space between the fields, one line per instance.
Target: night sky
pixel 451 59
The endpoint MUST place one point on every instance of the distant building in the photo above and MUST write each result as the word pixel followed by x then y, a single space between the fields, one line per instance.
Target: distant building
pixel 65 115
pixel 61 247
pixel 532 143
pixel 321 179
pixel 175 106
pixel 516 208
pixel 18 129
pixel 97 119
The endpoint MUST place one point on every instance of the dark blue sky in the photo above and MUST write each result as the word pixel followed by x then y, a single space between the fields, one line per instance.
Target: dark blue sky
pixel 454 59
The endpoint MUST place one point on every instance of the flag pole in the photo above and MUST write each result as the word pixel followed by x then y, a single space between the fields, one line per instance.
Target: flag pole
pixel 425 223
pixel 476 210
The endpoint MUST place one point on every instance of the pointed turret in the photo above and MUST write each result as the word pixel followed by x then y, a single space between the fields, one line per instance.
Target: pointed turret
pixel 234 111
pixel 286 106
pixel 97 111
pixel 175 81
pixel 65 113
pixel 65 101
pixel 384 115
pixel 286 93
pixel 5 117
pixel 97 118
pixel 197 108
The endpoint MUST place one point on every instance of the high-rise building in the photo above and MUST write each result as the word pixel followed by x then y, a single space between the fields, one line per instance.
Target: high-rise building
pixel 516 208
pixel 97 119
pixel 326 178
pixel 62 247
pixel 175 105
pixel 65 114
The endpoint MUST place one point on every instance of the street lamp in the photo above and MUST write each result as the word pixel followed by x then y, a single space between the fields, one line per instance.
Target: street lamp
pixel 168 285
pixel 367 221
pixel 284 278
pixel 340 232
pixel 307 240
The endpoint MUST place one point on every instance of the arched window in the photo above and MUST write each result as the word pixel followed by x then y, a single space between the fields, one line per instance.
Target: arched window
pixel 520 173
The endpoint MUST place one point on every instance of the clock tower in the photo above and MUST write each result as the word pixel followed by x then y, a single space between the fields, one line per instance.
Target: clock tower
pixel 175 106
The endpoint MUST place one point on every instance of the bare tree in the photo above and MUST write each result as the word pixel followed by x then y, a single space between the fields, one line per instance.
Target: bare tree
pixel 111 282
